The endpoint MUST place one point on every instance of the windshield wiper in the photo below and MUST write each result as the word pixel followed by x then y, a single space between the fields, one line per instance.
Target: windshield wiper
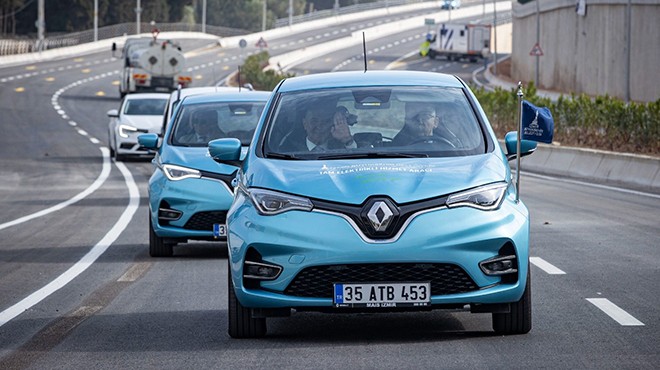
pixel 282 156
pixel 373 155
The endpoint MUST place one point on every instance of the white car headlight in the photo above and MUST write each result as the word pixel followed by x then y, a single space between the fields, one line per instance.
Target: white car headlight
pixel 124 130
pixel 487 197
pixel 176 173
pixel 271 202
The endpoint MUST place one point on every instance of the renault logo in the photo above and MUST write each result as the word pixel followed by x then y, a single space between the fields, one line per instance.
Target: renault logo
pixel 380 216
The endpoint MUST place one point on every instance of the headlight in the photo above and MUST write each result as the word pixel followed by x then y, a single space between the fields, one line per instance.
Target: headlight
pixel 176 173
pixel 271 203
pixel 486 197
pixel 124 130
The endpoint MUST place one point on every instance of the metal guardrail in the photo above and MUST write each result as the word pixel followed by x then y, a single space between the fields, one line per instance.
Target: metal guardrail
pixel 281 22
pixel 12 46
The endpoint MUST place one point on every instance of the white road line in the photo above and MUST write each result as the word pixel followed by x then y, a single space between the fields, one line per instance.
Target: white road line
pixel 599 186
pixel 92 188
pixel 615 312
pixel 545 266
pixel 91 256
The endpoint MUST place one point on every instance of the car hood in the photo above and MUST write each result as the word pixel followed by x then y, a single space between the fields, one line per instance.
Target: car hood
pixel 151 123
pixel 352 181
pixel 197 158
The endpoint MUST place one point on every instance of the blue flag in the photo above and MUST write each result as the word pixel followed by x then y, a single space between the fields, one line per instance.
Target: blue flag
pixel 537 123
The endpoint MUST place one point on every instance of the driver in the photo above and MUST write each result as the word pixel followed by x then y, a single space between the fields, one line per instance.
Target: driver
pixel 421 120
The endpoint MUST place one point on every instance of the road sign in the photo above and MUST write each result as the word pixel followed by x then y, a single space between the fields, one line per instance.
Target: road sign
pixel 242 43
pixel 536 50
pixel 261 43
pixel 429 21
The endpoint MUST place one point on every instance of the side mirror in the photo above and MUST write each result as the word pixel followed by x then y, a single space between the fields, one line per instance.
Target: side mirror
pixel 226 151
pixel 527 147
pixel 149 141
pixel 113 113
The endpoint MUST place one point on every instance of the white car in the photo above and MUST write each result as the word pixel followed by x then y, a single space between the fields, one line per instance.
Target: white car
pixel 138 114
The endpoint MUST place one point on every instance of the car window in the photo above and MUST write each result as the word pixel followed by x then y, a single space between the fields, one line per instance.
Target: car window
pixel 145 107
pixel 197 124
pixel 397 120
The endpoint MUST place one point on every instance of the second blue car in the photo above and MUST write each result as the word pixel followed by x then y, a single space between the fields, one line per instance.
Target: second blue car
pixel 190 193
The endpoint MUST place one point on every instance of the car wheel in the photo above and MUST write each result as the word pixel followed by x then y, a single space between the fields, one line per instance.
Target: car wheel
pixel 157 247
pixel 519 319
pixel 118 157
pixel 241 323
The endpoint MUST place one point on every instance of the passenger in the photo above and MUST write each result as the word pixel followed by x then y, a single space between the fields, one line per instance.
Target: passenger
pixel 324 131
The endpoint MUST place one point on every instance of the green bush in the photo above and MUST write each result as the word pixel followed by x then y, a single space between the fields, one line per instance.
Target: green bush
pixel 603 122
pixel 253 72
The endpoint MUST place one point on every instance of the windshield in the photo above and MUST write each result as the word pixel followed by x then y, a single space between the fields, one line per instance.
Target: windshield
pixel 197 124
pixel 145 107
pixel 397 121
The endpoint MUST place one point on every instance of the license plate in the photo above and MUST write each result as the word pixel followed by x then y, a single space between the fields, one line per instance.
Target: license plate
pixel 382 294
pixel 219 230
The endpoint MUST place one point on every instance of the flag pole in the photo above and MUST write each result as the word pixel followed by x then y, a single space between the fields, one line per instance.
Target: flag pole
pixel 520 97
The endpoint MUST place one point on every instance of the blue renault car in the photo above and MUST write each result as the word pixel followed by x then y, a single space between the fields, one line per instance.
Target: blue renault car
pixel 190 193
pixel 375 191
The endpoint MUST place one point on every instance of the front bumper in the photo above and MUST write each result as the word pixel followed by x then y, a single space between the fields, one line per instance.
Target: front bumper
pixel 202 202
pixel 296 240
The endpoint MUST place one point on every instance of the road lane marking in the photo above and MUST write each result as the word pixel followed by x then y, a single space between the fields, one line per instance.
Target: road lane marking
pixel 615 312
pixel 545 266
pixel 105 172
pixel 135 272
pixel 87 260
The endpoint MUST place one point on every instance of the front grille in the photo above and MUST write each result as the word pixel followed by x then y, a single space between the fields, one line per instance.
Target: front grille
pixel 317 281
pixel 205 220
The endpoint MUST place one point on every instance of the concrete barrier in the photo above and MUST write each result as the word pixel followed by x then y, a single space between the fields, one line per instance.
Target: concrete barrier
pixel 632 171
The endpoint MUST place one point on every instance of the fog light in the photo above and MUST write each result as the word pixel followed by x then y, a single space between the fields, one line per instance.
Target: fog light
pixel 168 214
pixel 261 271
pixel 499 265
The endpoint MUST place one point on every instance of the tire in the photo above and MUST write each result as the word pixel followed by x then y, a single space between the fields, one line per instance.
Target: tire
pixel 157 247
pixel 241 323
pixel 519 319
pixel 116 156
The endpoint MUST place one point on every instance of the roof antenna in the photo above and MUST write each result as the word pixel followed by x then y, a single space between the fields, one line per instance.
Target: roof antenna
pixel 215 81
pixel 239 78
pixel 364 51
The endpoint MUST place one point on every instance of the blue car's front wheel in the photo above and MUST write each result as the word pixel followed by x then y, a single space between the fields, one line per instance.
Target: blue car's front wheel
pixel 157 246
pixel 241 323
pixel 519 318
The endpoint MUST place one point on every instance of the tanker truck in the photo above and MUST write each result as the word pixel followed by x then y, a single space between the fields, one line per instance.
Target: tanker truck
pixel 152 65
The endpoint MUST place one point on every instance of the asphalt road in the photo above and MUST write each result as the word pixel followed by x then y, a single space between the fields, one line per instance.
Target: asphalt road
pixel 85 294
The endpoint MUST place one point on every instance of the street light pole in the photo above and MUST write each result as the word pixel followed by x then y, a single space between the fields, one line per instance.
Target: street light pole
pixel 204 16
pixel 96 20
pixel 538 36
pixel 138 10
pixel 290 13
pixel 495 36
pixel 41 23
pixel 263 17
pixel 628 44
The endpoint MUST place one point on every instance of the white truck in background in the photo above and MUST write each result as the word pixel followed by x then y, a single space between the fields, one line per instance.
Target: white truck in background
pixel 151 65
pixel 461 41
